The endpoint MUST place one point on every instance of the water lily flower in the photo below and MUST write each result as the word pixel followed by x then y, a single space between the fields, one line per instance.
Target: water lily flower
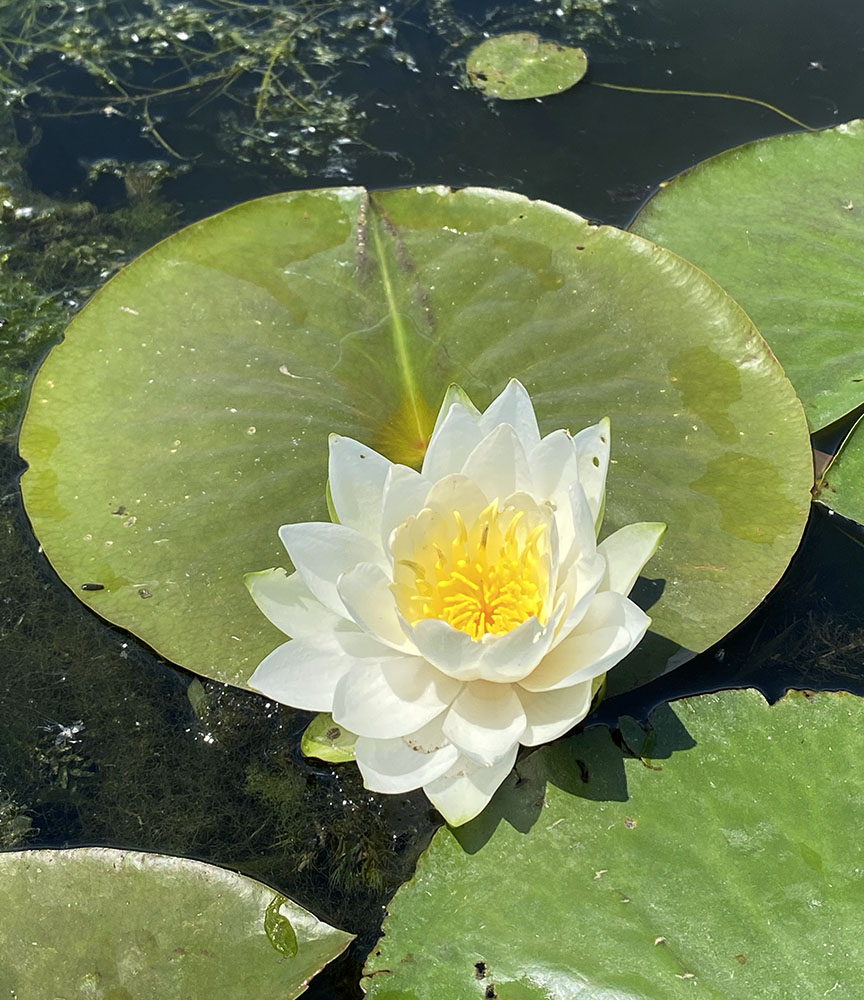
pixel 457 612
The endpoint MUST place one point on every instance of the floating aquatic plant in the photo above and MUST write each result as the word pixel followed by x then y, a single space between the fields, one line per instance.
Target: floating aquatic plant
pixel 452 614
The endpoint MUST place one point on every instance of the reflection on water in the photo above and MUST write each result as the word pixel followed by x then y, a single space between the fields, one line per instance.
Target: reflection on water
pixel 100 741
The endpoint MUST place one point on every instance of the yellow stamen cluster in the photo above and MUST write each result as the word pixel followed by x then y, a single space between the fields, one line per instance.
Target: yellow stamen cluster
pixel 485 577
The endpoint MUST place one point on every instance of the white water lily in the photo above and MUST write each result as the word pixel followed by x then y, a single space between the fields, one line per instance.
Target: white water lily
pixel 457 612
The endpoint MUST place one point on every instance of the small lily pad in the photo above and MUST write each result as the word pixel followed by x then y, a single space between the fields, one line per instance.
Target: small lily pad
pixel 327 740
pixel 279 929
pixel 108 924
pixel 841 485
pixel 519 65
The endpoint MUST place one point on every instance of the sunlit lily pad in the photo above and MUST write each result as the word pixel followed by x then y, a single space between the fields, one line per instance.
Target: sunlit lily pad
pixel 779 223
pixel 186 414
pixel 730 869
pixel 519 65
pixel 324 739
pixel 111 925
pixel 841 485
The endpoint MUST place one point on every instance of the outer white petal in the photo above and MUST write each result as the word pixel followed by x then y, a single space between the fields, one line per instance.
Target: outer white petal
pixel 513 407
pixel 303 673
pixel 365 592
pixel 498 465
pixel 554 466
pixel 399 765
pixel 611 628
pixel 592 449
pixel 404 495
pixel 626 552
pixel 290 604
pixel 550 714
pixel 462 792
pixel 452 441
pixel 322 552
pixel 485 721
pixel 391 695
pixel 356 477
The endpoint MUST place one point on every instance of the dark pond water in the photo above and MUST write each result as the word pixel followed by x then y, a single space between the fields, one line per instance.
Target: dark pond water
pixel 99 740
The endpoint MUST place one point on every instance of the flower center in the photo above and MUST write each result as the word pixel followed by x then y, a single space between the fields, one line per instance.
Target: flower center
pixel 485 577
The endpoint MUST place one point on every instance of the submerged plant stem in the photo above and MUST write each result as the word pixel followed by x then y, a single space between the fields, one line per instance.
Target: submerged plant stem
pixel 705 93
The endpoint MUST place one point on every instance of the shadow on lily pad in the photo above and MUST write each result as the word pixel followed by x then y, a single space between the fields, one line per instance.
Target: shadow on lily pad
pixel 589 765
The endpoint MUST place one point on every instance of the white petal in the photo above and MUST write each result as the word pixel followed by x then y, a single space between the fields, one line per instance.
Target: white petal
pixel 576 532
pixel 456 492
pixel 592 449
pixel 357 476
pixel 485 721
pixel 322 552
pixel 550 714
pixel 452 441
pixel 391 695
pixel 454 394
pixel 580 586
pixel 513 407
pixel 450 650
pixel 498 464
pixel 464 790
pixel 399 765
pixel 626 552
pixel 611 628
pixel 510 657
pixel 365 592
pixel 302 673
pixel 290 604
pixel 554 466
pixel 404 495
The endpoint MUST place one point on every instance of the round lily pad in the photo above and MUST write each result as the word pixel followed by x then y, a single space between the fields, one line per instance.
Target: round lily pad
pixel 112 925
pixel 779 223
pixel 519 65
pixel 727 869
pixel 186 415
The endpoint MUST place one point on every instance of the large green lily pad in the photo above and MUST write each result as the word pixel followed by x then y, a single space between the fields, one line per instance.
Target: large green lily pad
pixel 520 65
pixel 186 414
pixel 731 870
pixel 112 925
pixel 779 223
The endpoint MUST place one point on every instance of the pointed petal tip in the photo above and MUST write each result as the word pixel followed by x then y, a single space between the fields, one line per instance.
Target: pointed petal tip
pixel 251 578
